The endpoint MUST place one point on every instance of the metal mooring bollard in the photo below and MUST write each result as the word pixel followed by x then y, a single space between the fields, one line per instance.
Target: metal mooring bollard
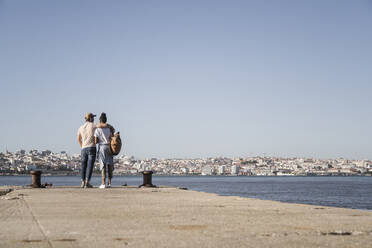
pixel 35 179
pixel 147 179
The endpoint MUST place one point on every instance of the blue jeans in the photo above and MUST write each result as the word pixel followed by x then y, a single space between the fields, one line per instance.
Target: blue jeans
pixel 88 157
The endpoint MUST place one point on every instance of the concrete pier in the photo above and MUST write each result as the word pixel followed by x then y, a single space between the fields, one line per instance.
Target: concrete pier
pixel 170 217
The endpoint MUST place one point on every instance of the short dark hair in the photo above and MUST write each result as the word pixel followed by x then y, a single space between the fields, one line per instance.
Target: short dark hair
pixel 103 118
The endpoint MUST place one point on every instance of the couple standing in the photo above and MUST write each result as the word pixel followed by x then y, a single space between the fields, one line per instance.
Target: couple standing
pixel 94 139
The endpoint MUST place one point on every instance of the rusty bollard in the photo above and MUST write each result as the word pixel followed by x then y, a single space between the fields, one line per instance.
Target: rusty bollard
pixel 35 179
pixel 147 179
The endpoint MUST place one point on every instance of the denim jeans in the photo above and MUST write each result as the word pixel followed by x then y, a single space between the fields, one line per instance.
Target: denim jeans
pixel 88 157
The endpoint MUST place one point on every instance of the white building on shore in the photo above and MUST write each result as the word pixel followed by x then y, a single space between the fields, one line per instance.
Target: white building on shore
pixel 221 169
pixel 234 170
pixel 207 170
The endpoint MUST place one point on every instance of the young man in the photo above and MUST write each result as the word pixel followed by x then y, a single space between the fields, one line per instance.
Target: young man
pixel 88 149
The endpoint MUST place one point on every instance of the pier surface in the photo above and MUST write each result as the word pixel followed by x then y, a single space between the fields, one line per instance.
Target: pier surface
pixel 171 217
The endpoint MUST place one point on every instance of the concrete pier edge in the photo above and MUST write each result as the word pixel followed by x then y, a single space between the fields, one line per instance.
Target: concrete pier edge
pixel 170 217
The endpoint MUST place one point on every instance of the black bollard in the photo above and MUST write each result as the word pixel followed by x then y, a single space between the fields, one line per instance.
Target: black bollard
pixel 35 179
pixel 147 179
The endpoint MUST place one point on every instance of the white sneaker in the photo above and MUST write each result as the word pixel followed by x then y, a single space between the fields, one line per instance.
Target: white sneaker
pixel 108 186
pixel 102 186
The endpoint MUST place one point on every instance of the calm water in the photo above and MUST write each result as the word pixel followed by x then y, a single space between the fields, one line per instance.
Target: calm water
pixel 348 192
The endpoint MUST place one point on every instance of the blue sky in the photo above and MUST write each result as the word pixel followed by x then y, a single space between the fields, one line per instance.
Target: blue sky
pixel 190 78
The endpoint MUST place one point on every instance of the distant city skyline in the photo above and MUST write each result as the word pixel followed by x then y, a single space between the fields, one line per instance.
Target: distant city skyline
pixel 121 155
pixel 190 79
pixel 62 164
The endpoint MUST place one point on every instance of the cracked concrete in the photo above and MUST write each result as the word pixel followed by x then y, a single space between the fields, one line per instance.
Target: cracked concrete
pixel 170 217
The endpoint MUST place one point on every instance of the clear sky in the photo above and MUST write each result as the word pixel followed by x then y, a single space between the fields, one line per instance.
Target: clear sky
pixel 190 78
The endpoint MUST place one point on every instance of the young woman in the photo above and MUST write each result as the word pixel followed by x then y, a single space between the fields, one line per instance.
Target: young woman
pixel 103 134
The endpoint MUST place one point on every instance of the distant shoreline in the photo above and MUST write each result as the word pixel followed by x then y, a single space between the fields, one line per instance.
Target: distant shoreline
pixel 183 175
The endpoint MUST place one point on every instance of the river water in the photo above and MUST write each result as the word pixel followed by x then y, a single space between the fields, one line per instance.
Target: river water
pixel 347 192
